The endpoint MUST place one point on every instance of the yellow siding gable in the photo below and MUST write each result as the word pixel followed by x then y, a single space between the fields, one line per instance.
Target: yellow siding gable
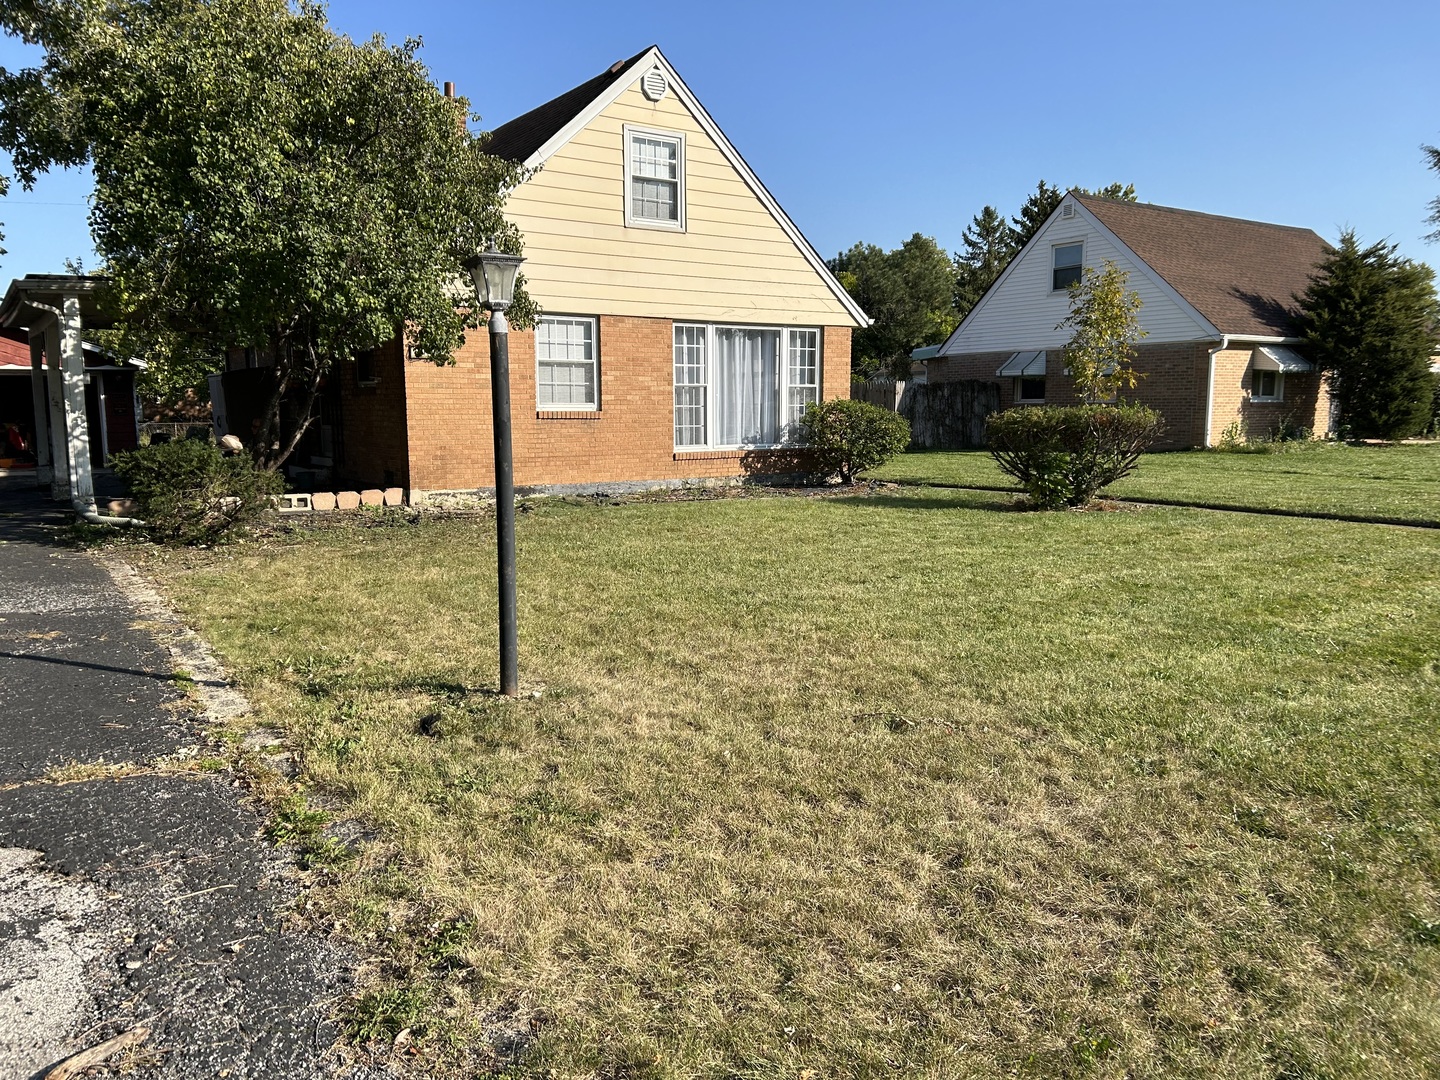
pixel 733 263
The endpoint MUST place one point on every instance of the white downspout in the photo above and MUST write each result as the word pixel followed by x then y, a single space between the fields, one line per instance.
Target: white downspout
pixel 1210 388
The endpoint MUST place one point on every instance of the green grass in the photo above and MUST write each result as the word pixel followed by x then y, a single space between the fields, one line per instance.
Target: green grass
pixel 1400 483
pixel 900 785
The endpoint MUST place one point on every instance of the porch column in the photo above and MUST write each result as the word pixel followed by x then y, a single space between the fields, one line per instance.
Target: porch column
pixel 55 410
pixel 41 401
pixel 66 336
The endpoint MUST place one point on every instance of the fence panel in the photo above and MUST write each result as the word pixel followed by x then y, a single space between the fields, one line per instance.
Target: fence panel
pixel 949 415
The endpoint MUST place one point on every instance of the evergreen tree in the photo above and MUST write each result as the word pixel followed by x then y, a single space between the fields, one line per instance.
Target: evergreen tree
pixel 1370 317
pixel 1045 198
pixel 906 291
pixel 1433 153
pixel 1033 212
pixel 989 245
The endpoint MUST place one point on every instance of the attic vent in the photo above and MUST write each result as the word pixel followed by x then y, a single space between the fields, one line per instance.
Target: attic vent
pixel 653 86
pixel 1068 210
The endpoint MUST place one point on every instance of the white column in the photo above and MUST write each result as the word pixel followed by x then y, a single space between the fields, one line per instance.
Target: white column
pixel 41 447
pixel 77 431
pixel 55 400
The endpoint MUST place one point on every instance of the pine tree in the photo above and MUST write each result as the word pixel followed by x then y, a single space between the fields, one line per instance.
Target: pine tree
pixel 1433 153
pixel 1370 317
pixel 1045 198
pixel 989 244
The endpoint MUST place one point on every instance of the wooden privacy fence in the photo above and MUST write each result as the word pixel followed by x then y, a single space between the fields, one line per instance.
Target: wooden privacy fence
pixel 878 391
pixel 948 415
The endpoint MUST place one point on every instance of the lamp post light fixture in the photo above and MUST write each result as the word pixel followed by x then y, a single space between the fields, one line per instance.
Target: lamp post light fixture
pixel 494 275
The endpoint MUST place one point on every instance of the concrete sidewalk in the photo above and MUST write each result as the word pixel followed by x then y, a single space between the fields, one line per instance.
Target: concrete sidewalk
pixel 143 899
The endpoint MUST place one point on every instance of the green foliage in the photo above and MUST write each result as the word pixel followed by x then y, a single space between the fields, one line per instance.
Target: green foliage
pixel 1433 153
pixel 1045 198
pixel 191 493
pixel 848 437
pixel 989 245
pixel 1434 428
pixel 1063 456
pixel 908 292
pixel 1370 318
pixel 1105 320
pixel 383 1014
pixel 260 181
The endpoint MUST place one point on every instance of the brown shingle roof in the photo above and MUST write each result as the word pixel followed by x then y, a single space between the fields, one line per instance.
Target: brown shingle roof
pixel 1241 275
pixel 517 139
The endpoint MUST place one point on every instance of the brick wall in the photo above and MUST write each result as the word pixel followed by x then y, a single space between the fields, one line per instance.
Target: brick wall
pixel 1306 399
pixel 373 446
pixel 1174 384
pixel 630 438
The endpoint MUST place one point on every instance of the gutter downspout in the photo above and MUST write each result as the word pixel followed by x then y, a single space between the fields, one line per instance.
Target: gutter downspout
pixel 87 509
pixel 1210 388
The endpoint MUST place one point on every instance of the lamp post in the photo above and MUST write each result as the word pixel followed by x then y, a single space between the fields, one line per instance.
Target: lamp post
pixel 494 275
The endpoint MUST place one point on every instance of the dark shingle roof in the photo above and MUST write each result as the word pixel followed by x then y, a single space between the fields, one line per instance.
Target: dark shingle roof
pixel 521 137
pixel 1241 275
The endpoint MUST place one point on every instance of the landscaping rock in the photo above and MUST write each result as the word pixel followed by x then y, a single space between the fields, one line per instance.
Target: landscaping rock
pixel 394 496
pixel 372 497
pixel 322 500
pixel 347 500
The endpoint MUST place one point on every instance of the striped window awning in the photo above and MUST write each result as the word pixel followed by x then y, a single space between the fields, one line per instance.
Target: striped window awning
pixel 1278 358
pixel 1023 363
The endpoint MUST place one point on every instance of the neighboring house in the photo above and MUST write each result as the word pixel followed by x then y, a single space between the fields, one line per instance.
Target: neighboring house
pixel 1221 350
pixel 687 322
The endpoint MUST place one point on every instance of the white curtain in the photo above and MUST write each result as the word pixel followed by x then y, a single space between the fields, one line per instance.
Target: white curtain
pixel 747 386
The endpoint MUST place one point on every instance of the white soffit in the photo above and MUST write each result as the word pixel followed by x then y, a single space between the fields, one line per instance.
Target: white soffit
pixel 1279 358
pixel 1024 363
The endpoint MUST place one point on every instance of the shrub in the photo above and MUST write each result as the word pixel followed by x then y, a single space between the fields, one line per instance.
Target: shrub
pixel 191 493
pixel 847 437
pixel 1435 404
pixel 1062 456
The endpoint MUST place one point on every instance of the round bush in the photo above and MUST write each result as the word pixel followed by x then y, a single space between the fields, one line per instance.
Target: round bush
pixel 847 437
pixel 191 493
pixel 1064 455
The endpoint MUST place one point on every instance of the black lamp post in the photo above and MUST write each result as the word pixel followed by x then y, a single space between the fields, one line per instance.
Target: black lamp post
pixel 494 275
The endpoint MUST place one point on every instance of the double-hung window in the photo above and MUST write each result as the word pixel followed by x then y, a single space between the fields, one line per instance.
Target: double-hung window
pixel 742 386
pixel 567 376
pixel 654 179
pixel 1066 265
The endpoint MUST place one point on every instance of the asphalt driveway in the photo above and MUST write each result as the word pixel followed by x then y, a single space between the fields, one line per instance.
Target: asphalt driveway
pixel 144 896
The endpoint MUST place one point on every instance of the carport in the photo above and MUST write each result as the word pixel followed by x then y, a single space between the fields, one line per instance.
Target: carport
pixel 55 310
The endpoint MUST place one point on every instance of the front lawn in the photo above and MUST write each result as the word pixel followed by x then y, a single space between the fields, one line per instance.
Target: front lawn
pixel 1400 483
pixel 905 785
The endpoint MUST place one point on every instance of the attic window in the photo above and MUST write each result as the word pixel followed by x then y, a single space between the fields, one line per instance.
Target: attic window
pixel 654 179
pixel 1066 265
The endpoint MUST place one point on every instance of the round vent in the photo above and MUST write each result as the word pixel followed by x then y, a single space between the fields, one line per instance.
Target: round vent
pixel 653 86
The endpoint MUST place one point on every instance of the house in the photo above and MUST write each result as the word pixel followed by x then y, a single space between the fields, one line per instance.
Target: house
pixel 1221 351
pixel 66 406
pixel 687 321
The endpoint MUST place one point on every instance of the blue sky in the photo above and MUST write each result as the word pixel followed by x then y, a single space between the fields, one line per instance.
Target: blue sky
pixel 871 121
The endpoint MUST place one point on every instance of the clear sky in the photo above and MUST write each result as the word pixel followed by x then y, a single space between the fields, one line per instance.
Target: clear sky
pixel 871 121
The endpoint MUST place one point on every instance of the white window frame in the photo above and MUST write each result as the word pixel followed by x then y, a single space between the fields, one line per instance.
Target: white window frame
pixel 632 132
pixel 1279 394
pixel 593 361
pixel 789 435
pixel 1028 400
pixel 1056 246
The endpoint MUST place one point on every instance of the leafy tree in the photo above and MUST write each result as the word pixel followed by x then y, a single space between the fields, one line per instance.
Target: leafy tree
pixel 989 245
pixel 1043 200
pixel 1106 323
pixel 908 292
pixel 1370 317
pixel 260 181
